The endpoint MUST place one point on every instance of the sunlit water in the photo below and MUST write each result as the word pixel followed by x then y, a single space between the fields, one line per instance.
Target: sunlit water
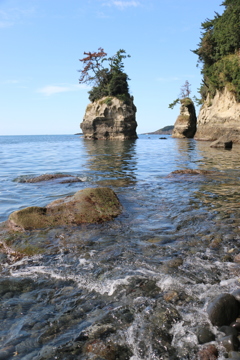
pixel 134 288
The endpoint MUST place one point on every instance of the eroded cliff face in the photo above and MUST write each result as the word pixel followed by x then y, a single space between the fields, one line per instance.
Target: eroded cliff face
pixel 110 118
pixel 185 125
pixel 219 116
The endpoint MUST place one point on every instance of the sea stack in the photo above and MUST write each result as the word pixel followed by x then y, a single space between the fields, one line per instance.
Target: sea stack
pixel 110 118
pixel 185 125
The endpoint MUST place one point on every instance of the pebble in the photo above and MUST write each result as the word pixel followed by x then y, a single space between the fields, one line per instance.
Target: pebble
pixel 228 330
pixel 205 335
pixel 210 352
pixel 230 342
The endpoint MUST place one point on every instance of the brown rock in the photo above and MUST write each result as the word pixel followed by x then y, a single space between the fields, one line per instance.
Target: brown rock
pixel 91 205
pixel 48 177
pixel 209 352
pixel 237 258
pixel 110 118
pixel 190 172
pixel 105 350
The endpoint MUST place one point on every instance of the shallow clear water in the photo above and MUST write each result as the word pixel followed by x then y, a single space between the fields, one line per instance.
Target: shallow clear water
pixel 134 288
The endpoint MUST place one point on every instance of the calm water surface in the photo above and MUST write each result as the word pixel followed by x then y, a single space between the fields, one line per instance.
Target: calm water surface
pixel 137 287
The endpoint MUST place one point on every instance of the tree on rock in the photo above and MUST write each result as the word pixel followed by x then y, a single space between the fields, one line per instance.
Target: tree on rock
pixel 106 81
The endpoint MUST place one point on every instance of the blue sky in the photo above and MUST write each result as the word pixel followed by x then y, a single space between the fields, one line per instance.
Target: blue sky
pixel 42 41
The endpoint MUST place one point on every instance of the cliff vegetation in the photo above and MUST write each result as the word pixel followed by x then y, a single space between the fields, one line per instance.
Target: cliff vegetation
pixel 219 52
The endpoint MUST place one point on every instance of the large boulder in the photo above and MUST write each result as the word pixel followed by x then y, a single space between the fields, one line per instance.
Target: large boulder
pixel 223 310
pixel 219 116
pixel 91 205
pixel 185 125
pixel 110 118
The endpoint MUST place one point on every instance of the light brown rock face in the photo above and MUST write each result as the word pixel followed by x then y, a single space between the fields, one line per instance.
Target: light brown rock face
pixel 219 116
pixel 185 125
pixel 110 118
pixel 91 205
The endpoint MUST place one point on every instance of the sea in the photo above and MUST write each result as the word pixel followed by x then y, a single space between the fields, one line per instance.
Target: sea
pixel 136 287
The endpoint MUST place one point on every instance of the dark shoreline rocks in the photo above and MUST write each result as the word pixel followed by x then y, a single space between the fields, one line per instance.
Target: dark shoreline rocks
pixel 91 205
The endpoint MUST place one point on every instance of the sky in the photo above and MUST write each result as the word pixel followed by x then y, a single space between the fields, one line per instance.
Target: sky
pixel 42 41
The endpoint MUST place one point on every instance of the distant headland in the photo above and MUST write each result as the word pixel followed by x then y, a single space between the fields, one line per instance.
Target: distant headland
pixel 166 130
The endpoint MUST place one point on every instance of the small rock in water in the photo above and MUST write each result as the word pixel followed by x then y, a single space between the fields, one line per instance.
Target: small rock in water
pixel 228 330
pixel 223 310
pixel 230 342
pixel 235 325
pixel 210 352
pixel 205 335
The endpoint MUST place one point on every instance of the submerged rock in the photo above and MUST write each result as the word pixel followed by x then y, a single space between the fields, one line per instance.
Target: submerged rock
pixel 63 178
pixel 223 310
pixel 185 125
pixel 190 172
pixel 110 118
pixel 91 205
pixel 223 142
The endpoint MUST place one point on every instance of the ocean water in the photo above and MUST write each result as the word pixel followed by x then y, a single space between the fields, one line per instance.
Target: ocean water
pixel 133 288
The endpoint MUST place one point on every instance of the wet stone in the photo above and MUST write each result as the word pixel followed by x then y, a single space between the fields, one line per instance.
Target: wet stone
pixel 205 335
pixel 223 310
pixel 228 330
pixel 236 325
pixel 230 342
pixel 209 352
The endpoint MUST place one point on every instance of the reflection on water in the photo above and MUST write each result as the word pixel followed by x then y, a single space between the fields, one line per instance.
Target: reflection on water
pixel 112 160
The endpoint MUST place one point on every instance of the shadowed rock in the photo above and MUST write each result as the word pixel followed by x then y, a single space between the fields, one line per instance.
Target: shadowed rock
pixel 224 142
pixel 91 205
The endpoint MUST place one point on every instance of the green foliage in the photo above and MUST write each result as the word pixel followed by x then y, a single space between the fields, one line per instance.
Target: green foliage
pixel 108 101
pixel 110 81
pixel 218 51
pixel 183 97
pixel 175 102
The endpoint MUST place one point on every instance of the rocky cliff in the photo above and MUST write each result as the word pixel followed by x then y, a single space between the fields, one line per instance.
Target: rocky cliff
pixel 185 125
pixel 219 116
pixel 110 118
